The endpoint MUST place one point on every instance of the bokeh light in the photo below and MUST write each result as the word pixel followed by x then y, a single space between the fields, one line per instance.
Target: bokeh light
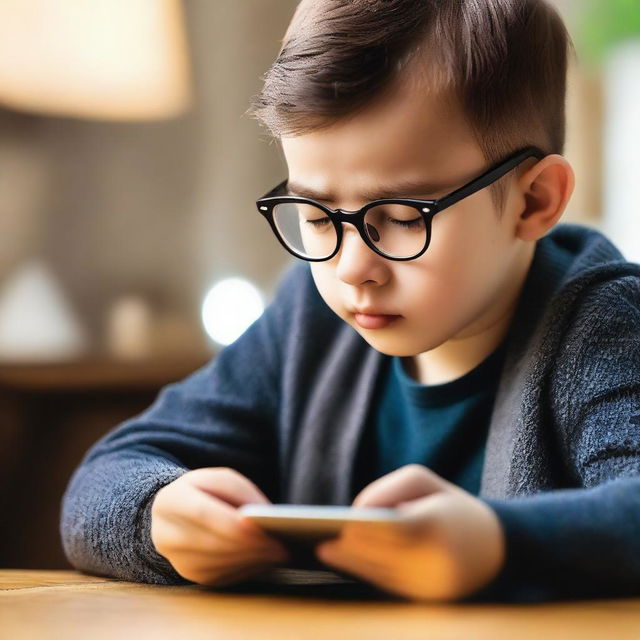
pixel 229 308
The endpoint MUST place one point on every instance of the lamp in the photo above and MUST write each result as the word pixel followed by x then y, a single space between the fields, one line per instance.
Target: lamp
pixel 98 59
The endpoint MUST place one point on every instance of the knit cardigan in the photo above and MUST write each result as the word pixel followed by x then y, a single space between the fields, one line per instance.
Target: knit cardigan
pixel 286 405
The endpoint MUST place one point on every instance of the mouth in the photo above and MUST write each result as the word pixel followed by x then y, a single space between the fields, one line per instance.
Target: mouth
pixel 374 320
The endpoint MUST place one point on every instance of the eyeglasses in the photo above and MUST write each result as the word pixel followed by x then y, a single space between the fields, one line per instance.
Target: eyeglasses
pixel 395 228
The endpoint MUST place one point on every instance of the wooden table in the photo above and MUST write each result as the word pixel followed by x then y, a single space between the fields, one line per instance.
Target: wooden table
pixel 70 605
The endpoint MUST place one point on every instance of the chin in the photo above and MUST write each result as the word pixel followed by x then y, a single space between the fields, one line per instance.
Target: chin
pixel 391 346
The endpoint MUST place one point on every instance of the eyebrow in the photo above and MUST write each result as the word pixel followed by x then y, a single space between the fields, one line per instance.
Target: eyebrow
pixel 401 189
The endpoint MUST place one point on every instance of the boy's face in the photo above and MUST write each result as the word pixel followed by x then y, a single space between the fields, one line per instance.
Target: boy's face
pixel 464 283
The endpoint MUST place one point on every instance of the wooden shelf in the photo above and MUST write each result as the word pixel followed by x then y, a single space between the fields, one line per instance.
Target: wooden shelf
pixel 50 414
pixel 98 373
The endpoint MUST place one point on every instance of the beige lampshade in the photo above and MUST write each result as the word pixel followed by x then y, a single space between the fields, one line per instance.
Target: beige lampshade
pixel 103 59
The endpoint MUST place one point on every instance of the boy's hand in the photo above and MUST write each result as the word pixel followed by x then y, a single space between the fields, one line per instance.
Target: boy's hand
pixel 195 525
pixel 453 543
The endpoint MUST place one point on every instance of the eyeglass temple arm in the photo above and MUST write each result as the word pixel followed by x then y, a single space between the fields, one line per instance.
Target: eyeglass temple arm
pixel 276 190
pixel 488 177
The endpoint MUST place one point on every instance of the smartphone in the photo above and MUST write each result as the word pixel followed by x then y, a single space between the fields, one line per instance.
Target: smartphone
pixel 312 523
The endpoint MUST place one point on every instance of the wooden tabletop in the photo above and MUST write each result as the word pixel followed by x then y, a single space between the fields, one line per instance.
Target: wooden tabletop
pixel 70 605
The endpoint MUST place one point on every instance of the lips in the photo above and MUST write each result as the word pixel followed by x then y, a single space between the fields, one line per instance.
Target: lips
pixel 372 311
pixel 374 320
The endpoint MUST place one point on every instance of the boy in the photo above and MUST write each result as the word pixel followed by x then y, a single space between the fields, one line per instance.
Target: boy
pixel 446 351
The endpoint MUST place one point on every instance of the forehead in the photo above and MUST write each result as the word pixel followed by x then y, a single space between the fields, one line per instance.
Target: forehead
pixel 407 134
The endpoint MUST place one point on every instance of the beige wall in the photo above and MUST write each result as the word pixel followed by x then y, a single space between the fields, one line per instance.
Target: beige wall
pixel 161 209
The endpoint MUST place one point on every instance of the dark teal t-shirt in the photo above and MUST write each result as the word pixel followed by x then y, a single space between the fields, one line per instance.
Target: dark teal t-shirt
pixel 443 427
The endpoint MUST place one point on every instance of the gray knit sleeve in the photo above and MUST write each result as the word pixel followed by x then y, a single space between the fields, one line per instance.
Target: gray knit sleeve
pixel 584 541
pixel 596 384
pixel 224 414
pixel 106 518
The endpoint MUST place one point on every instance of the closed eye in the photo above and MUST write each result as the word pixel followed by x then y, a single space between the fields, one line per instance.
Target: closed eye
pixel 318 222
pixel 406 223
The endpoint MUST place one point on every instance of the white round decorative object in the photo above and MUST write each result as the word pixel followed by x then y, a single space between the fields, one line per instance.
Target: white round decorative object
pixel 36 321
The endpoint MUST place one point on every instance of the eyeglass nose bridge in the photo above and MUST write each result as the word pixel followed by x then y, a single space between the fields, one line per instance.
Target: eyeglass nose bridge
pixel 356 217
pixel 343 215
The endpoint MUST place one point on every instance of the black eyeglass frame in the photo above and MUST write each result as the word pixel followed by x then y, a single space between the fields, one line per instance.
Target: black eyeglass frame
pixel 426 208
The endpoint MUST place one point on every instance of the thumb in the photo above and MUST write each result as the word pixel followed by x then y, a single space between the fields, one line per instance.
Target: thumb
pixel 404 484
pixel 229 485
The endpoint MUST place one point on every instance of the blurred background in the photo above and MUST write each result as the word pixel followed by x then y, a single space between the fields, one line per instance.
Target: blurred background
pixel 130 247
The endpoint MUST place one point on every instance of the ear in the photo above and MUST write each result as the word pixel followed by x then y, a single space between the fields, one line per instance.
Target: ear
pixel 545 189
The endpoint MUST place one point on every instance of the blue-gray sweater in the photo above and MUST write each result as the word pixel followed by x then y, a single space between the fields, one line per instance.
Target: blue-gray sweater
pixel 286 405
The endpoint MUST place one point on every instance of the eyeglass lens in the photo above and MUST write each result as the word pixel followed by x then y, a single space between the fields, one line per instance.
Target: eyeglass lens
pixel 396 230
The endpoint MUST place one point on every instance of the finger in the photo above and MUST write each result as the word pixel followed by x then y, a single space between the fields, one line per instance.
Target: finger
pixel 365 566
pixel 377 553
pixel 220 574
pixel 235 489
pixel 406 483
pixel 229 485
pixel 205 511
pixel 426 510
pixel 211 562
pixel 360 564
pixel 383 545
pixel 397 534
pixel 192 537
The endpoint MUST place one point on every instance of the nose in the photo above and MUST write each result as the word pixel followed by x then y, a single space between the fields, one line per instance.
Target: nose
pixel 356 262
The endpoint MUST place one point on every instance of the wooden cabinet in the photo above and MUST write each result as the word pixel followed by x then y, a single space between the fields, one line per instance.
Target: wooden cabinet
pixel 49 416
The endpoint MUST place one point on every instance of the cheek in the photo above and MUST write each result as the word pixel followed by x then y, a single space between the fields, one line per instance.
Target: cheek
pixel 457 273
pixel 327 284
pixel 465 246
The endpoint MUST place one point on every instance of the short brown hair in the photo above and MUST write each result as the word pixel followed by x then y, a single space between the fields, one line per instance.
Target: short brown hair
pixel 505 61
